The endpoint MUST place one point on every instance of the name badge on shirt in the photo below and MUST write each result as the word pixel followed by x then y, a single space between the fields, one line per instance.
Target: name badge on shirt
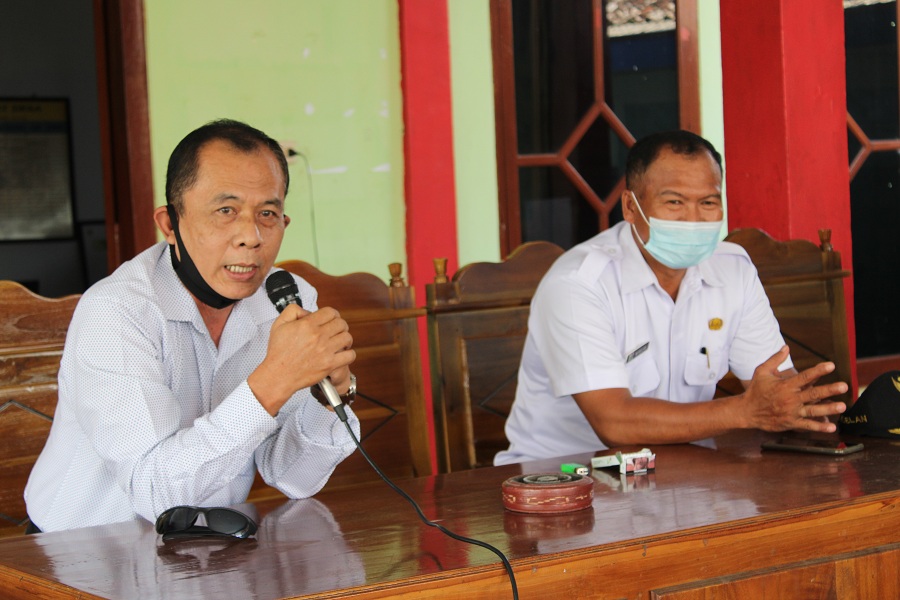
pixel 637 352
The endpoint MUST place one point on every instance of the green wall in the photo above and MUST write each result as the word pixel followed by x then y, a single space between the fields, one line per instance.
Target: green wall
pixel 709 39
pixel 475 160
pixel 324 74
pixel 711 116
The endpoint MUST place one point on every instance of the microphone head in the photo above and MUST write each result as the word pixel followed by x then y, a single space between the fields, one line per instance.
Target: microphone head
pixel 282 290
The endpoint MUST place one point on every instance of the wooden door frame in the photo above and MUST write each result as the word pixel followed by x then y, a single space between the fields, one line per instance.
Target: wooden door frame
pixel 124 128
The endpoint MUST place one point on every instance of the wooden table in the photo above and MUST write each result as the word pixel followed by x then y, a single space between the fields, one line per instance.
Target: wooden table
pixel 734 520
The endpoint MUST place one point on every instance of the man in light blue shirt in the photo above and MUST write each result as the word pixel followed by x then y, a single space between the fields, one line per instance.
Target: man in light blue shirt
pixel 179 379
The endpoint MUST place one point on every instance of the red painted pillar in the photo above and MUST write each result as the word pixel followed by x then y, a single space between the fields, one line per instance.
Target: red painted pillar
pixel 428 139
pixel 785 107
pixel 428 148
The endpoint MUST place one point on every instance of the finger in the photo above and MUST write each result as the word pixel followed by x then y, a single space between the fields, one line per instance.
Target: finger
pixel 811 411
pixel 340 376
pixel 820 392
pixel 814 425
pixel 337 328
pixel 340 342
pixel 349 341
pixel 811 375
pixel 814 417
pixel 345 358
pixel 327 325
pixel 292 312
pixel 341 379
pixel 771 364
pixel 810 384
pixel 326 314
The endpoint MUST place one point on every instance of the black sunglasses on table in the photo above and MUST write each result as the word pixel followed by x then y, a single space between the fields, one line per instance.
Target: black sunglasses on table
pixel 179 521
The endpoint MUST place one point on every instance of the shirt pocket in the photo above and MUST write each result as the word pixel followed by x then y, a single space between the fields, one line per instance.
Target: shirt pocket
pixel 706 368
pixel 643 376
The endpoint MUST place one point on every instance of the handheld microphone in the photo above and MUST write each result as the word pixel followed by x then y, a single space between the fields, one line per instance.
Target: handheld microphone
pixel 282 290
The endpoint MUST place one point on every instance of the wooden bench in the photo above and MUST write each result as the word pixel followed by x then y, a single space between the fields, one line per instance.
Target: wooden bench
pixel 477 324
pixel 32 334
pixel 476 330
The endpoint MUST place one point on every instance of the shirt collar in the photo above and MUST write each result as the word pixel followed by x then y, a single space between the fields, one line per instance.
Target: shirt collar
pixel 709 274
pixel 636 273
pixel 175 301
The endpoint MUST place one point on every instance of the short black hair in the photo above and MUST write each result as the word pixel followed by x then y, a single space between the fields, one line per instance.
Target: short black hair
pixel 184 161
pixel 646 150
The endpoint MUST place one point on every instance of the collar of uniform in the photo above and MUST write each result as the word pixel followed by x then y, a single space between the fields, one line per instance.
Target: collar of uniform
pixel 175 301
pixel 696 277
pixel 636 273
pixel 709 274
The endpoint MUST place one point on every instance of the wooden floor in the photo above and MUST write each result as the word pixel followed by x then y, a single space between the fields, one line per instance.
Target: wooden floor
pixel 731 522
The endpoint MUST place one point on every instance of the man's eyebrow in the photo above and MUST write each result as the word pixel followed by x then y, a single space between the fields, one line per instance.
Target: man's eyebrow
pixel 227 196
pixel 276 202
pixel 224 197
pixel 680 195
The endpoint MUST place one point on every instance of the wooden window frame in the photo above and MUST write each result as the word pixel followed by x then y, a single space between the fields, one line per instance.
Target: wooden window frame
pixel 508 158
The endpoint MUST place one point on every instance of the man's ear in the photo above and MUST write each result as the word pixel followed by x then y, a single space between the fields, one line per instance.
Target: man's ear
pixel 164 224
pixel 287 220
pixel 629 213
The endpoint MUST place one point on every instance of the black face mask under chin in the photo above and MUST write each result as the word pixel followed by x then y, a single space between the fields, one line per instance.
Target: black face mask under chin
pixel 187 271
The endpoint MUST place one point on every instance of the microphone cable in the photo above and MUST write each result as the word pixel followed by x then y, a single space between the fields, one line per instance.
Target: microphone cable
pixel 282 290
pixel 509 571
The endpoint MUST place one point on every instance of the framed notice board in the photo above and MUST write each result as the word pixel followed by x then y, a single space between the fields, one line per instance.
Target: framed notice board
pixel 36 197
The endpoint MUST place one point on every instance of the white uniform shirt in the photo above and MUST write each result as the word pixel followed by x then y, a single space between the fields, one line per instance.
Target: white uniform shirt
pixel 151 414
pixel 600 320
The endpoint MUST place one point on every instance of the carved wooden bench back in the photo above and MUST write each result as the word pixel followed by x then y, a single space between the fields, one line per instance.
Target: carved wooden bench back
pixel 805 286
pixel 32 335
pixel 476 328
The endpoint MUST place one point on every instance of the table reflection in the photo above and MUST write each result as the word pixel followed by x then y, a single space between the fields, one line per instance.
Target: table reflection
pixel 304 550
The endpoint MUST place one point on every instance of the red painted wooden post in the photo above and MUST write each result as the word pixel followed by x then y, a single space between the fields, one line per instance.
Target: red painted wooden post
pixel 784 86
pixel 428 148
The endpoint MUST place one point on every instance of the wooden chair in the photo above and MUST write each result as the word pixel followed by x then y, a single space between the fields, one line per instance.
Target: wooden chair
pixel 805 286
pixel 390 399
pixel 476 329
pixel 32 335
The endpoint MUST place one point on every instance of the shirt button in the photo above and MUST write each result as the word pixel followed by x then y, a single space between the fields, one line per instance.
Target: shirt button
pixel 712 376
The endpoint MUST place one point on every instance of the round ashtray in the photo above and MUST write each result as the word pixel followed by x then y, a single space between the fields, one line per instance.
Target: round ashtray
pixel 548 492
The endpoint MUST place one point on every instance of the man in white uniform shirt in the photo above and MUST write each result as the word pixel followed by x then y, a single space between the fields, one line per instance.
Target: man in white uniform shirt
pixel 179 379
pixel 631 330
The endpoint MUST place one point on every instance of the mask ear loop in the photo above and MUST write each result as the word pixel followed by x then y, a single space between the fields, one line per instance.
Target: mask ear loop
pixel 644 217
pixel 640 210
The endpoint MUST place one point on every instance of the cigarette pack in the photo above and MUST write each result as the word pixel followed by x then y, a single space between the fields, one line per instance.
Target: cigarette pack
pixel 628 462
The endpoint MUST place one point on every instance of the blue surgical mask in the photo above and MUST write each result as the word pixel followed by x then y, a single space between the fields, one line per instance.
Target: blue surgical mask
pixel 679 244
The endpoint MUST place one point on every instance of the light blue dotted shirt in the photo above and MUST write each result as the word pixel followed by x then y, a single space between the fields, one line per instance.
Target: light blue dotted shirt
pixel 151 414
